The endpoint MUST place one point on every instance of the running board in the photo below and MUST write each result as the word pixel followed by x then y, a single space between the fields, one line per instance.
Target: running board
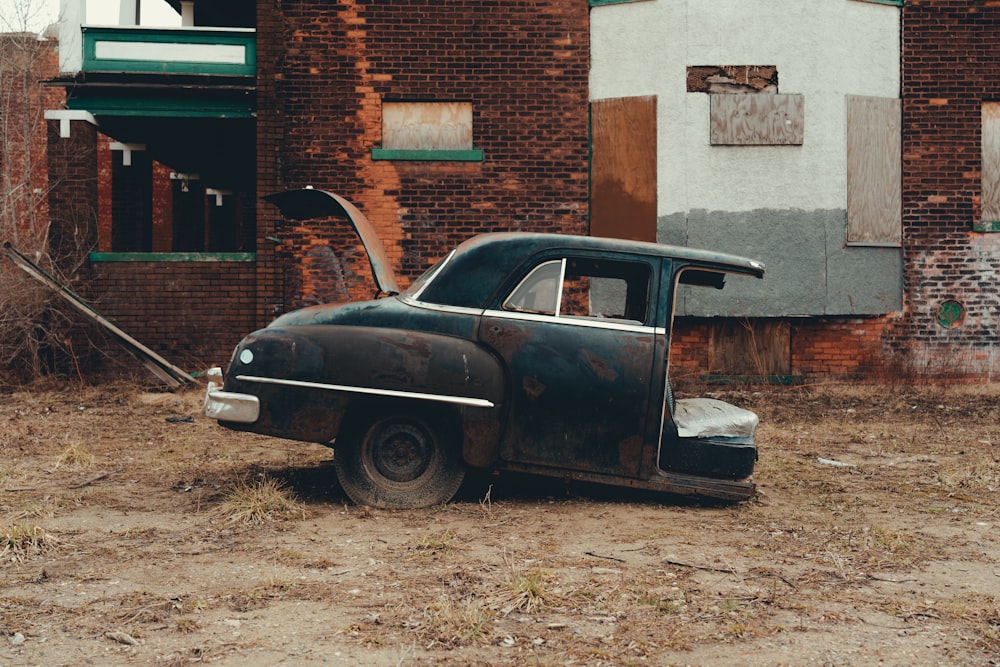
pixel 661 482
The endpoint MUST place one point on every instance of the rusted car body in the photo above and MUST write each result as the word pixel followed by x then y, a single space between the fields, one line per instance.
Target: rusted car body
pixel 538 353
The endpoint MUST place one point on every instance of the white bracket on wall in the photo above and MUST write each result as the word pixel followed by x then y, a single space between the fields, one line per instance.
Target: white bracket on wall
pixel 184 179
pixel 127 150
pixel 64 116
pixel 219 194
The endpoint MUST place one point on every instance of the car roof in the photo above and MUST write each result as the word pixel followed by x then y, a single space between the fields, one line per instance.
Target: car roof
pixel 477 267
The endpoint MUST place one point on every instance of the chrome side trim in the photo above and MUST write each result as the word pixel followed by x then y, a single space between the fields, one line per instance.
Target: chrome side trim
pixel 592 322
pixel 434 275
pixel 458 310
pixel 441 398
pixel 589 322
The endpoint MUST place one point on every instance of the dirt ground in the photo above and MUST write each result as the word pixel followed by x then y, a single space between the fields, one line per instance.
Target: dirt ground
pixel 135 531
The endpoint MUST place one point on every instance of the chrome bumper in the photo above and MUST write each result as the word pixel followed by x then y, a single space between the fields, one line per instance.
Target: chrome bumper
pixel 227 405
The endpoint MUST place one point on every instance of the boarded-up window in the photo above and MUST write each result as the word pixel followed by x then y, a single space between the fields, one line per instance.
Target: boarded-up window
pixel 757 120
pixel 623 168
pixel 752 348
pixel 874 171
pixel 991 165
pixel 427 125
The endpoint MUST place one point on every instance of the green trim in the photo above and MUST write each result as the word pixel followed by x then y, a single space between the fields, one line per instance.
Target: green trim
pixel 986 226
pixel 600 3
pixel 166 37
pixel 896 3
pixel 471 155
pixel 98 257
pixel 167 108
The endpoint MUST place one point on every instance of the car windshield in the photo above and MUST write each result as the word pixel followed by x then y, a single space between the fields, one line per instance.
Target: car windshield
pixel 425 279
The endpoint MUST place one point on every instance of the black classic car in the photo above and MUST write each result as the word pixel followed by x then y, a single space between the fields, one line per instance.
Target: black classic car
pixel 537 353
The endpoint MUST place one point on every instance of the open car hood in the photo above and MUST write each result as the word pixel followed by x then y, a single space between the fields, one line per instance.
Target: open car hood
pixel 309 203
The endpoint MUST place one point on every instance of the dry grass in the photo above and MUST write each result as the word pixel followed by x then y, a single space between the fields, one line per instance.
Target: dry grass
pixel 524 590
pixel 890 557
pixel 263 500
pixel 22 541
pixel 74 456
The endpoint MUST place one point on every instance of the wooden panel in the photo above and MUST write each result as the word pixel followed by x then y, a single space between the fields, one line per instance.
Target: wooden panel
pixel 623 168
pixel 750 347
pixel 991 162
pixel 874 171
pixel 427 125
pixel 757 120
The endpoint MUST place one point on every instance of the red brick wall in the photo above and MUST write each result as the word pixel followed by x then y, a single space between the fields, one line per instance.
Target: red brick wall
pixel 324 69
pixel 951 63
pixel 820 348
pixel 192 313
pixel 72 197
pixel 25 62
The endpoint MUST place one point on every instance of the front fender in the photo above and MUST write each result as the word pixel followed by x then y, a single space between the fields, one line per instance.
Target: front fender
pixel 369 362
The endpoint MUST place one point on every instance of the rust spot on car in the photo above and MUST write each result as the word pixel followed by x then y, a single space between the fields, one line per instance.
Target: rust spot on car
pixel 532 387
pixel 600 367
pixel 630 454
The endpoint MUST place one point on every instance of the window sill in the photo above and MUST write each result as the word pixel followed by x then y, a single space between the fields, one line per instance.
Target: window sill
pixel 599 3
pixel 986 226
pixel 104 257
pixel 471 155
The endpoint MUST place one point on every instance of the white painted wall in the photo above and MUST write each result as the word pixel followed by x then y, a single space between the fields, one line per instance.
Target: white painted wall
pixel 823 49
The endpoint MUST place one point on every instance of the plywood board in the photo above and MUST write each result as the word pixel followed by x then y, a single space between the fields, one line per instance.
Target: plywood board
pixel 623 168
pixel 874 171
pixel 427 125
pixel 990 178
pixel 757 120
pixel 760 348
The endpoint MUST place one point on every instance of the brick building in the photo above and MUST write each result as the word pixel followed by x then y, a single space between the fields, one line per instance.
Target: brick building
pixel 25 61
pixel 246 103
pixel 951 190
pixel 441 120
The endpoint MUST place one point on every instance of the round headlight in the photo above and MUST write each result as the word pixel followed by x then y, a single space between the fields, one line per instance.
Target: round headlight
pixel 246 356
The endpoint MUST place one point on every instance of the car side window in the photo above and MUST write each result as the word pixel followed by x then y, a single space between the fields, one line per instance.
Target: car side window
pixel 539 291
pixel 583 287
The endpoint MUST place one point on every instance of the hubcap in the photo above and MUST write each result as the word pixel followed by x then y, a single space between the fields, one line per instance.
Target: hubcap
pixel 401 452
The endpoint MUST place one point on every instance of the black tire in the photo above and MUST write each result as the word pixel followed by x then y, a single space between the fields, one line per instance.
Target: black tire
pixel 399 461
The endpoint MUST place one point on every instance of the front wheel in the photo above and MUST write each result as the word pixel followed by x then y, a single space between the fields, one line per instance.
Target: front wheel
pixel 398 462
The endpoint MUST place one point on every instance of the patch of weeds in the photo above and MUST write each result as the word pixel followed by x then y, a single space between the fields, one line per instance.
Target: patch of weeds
pixel 244 601
pixel 729 605
pixel 46 507
pixel 525 590
pixel 21 541
pixel 980 611
pixel 661 605
pixel 74 456
pixel 187 625
pixel 264 500
pixel 435 543
pixel 290 557
pixel 146 607
pixel 456 624
pixel 586 594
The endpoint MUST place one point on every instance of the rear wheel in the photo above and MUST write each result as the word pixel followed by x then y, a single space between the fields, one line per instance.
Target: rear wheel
pixel 398 462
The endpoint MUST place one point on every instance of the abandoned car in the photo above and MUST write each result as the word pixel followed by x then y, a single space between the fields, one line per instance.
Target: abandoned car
pixel 537 353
